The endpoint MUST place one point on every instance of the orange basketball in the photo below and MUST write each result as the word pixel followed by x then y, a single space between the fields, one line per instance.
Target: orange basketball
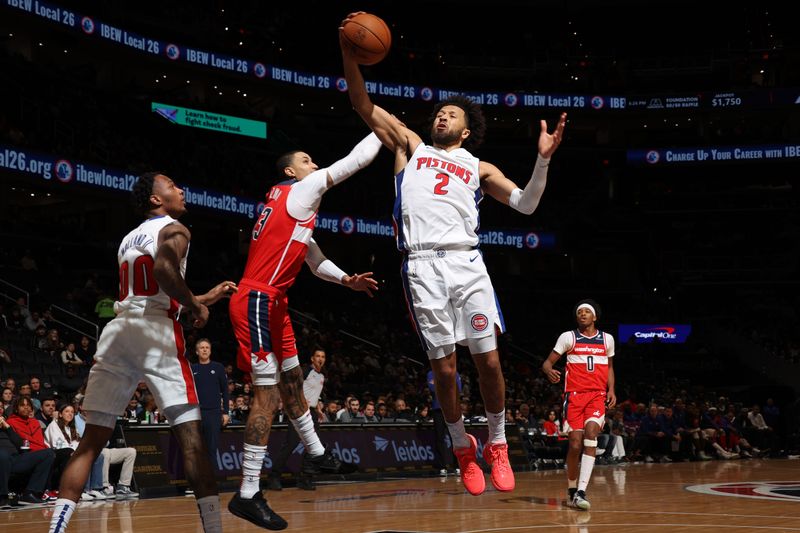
pixel 369 37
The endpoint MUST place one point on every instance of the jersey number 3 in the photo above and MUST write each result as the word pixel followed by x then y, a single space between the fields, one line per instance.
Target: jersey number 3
pixel 144 283
pixel 262 220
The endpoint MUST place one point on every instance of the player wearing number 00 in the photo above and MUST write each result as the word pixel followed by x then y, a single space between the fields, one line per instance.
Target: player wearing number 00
pixel 588 389
pixel 145 343
pixel 450 295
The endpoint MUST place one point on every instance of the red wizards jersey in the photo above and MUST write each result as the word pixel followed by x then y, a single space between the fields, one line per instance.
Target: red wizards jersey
pixel 587 360
pixel 279 242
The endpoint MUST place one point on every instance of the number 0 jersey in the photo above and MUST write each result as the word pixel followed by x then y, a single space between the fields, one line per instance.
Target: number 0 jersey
pixel 437 196
pixel 139 292
pixel 587 360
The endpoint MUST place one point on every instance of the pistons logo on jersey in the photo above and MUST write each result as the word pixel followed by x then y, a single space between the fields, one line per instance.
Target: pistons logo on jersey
pixel 479 322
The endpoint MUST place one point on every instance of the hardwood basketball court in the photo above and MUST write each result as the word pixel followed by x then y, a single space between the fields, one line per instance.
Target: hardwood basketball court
pixel 758 495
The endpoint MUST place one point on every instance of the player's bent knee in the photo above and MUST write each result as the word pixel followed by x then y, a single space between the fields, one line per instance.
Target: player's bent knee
pixel 97 418
pixel 180 414
pixel 483 344
pixel 441 351
pixel 590 443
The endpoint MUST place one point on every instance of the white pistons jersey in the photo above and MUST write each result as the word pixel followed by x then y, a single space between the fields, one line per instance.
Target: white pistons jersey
pixel 437 196
pixel 139 292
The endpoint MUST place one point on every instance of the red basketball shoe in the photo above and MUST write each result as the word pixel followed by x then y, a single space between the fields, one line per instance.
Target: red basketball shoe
pixel 471 473
pixel 496 456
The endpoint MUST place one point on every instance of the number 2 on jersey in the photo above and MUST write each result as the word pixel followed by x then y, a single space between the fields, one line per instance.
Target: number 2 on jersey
pixel 444 179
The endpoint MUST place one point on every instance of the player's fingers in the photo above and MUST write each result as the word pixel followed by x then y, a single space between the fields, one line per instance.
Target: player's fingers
pixel 543 126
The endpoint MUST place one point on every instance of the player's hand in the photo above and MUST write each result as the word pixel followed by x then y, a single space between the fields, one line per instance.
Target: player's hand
pixel 220 291
pixel 611 399
pixel 344 44
pixel 200 315
pixel 549 142
pixel 553 375
pixel 361 282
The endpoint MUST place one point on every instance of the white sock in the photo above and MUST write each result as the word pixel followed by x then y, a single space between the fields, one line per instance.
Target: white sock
pixel 304 425
pixel 587 464
pixel 458 434
pixel 209 514
pixel 497 427
pixel 61 515
pixel 252 460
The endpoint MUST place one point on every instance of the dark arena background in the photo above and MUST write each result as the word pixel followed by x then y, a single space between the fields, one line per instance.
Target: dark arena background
pixel 672 201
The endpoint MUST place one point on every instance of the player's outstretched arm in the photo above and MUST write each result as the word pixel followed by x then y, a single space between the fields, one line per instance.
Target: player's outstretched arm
pixel 547 367
pixel 499 187
pixel 173 242
pixel 220 291
pixel 324 268
pixel 392 133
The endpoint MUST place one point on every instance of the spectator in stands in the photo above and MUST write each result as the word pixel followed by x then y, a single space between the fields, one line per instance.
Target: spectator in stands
pixel 34 321
pixel 5 401
pixel 524 419
pixel 52 343
pixel 241 410
pixel 39 341
pixel 134 410
pixel 25 425
pixel 12 461
pixel 104 309
pixel 69 357
pixel 402 412
pixel 369 412
pixel 772 413
pixel 25 390
pixel 70 382
pixel 86 350
pixel 36 388
pixel 652 438
pixel 113 456
pixel 46 413
pixel 352 415
pixel 15 320
pixel 5 357
pixel 763 436
pixel 63 437
pixel 11 383
pixel 423 414
pixel 331 409
pixel 381 411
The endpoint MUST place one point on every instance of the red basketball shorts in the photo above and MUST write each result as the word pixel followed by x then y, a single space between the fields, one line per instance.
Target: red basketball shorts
pixel 583 407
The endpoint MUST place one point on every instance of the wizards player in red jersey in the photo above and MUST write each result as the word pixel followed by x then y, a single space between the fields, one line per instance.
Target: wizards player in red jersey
pixel 280 243
pixel 588 389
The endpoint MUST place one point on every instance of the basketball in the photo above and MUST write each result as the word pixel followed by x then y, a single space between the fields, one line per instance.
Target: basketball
pixel 369 37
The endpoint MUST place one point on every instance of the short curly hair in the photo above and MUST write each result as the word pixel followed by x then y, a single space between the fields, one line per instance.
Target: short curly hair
pixel 476 122
pixel 141 192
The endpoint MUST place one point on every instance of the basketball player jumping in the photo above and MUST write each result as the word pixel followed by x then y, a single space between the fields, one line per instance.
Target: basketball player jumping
pixel 588 388
pixel 280 242
pixel 145 343
pixel 452 300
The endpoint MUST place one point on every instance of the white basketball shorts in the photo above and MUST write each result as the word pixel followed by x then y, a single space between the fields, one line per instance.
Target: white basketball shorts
pixel 131 349
pixel 450 297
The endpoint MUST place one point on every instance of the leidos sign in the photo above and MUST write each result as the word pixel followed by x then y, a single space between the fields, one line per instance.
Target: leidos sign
pixel 641 333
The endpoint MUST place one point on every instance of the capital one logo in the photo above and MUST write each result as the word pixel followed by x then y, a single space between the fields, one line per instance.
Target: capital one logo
pixel 665 332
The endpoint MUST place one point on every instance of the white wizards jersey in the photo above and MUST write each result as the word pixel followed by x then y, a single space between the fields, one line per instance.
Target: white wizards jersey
pixel 139 292
pixel 437 196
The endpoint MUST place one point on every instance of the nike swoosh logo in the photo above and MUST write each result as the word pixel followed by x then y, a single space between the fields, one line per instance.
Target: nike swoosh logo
pixel 474 258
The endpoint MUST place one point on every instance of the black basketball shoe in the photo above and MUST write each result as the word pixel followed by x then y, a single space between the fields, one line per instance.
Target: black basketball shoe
pixel 327 463
pixel 256 511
